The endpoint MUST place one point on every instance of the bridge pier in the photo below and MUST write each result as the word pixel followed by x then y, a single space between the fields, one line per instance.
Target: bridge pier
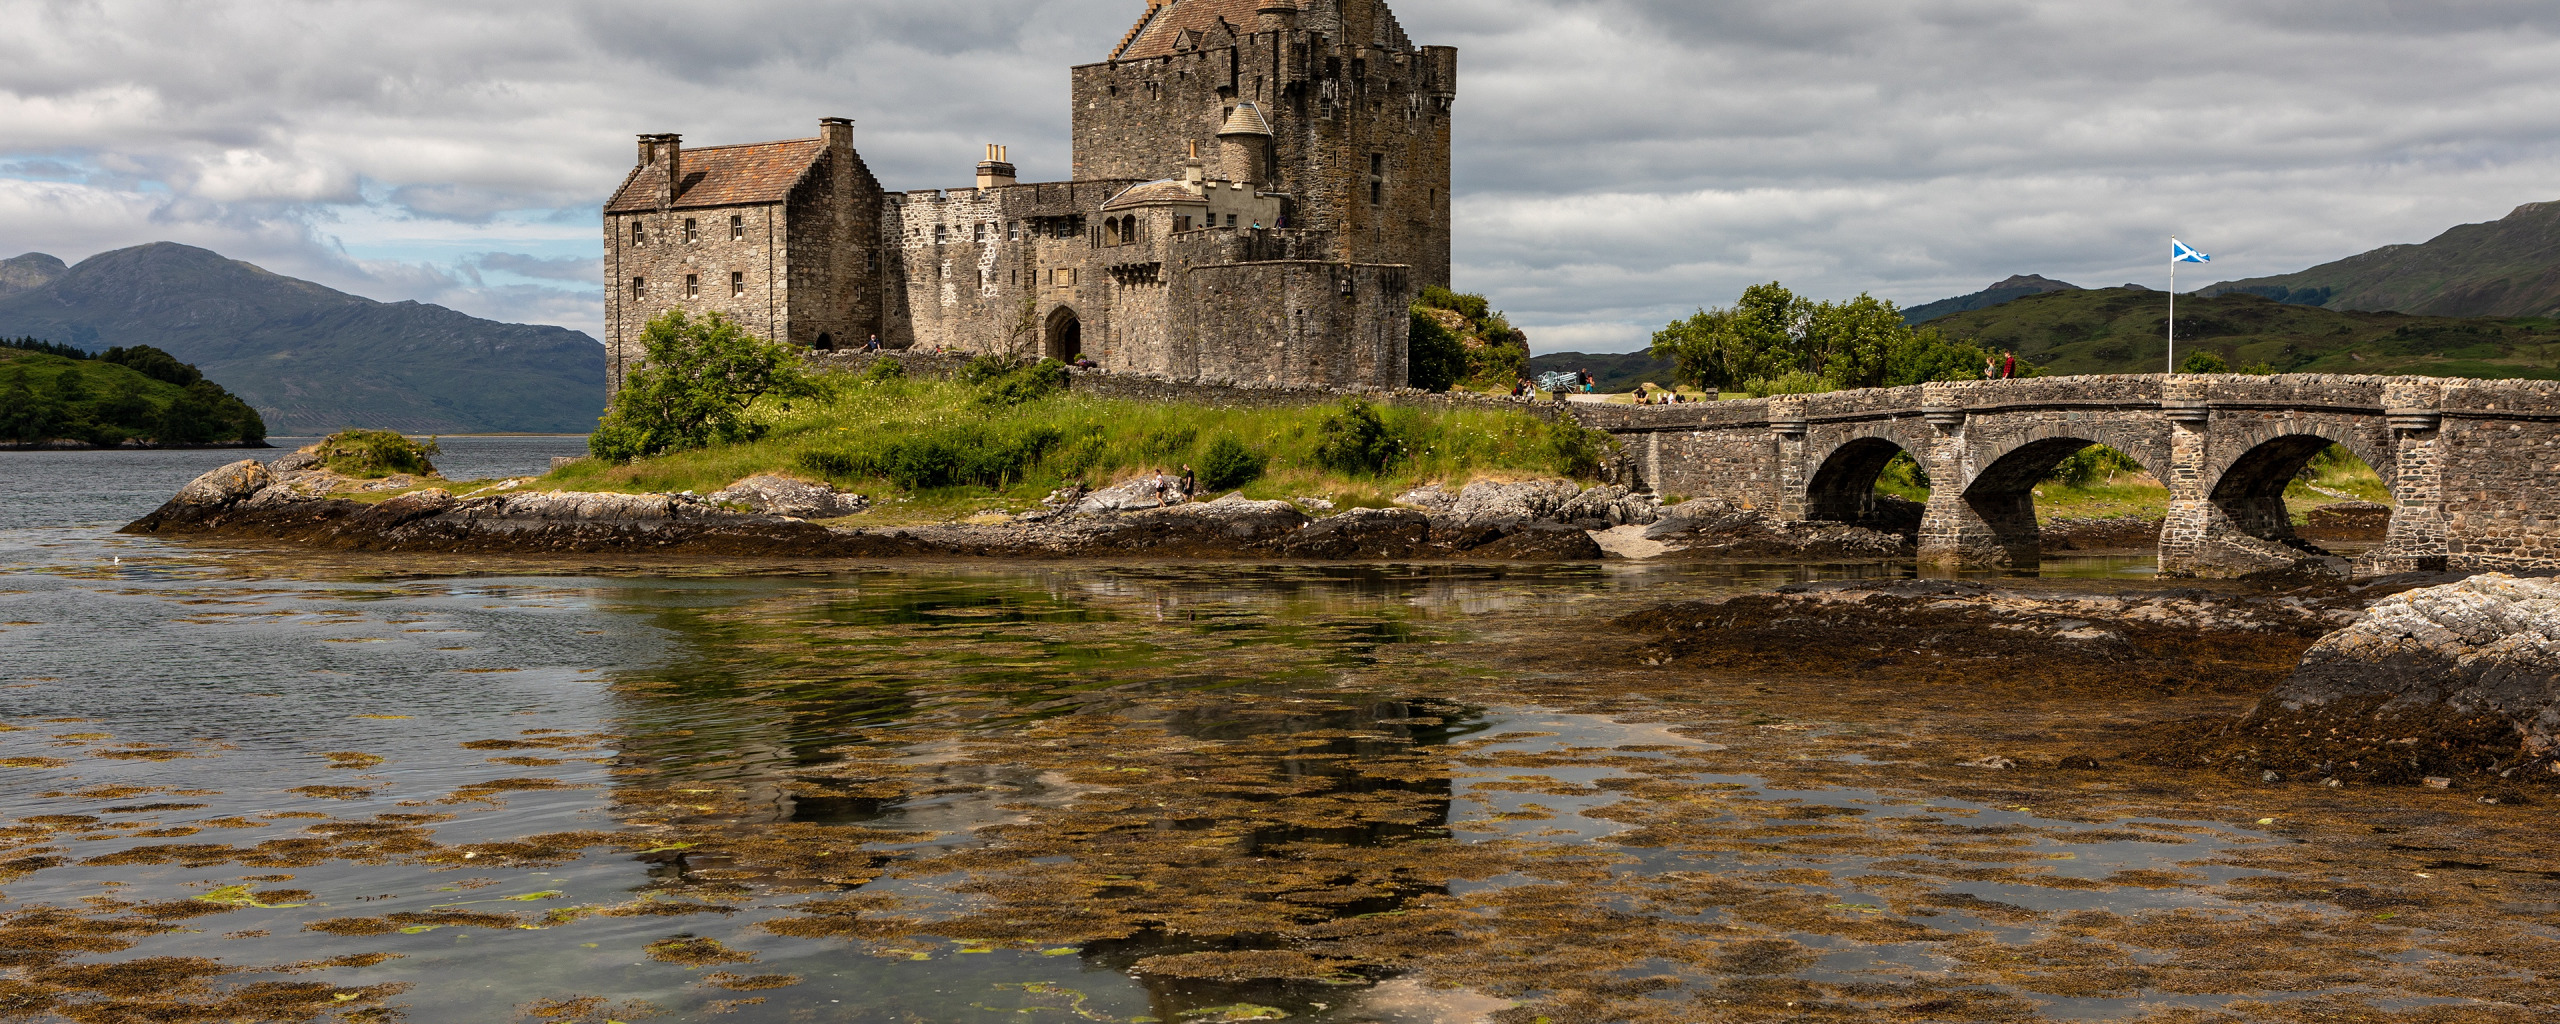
pixel 2417 540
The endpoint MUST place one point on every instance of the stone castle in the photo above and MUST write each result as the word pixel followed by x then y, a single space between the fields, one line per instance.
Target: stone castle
pixel 1260 188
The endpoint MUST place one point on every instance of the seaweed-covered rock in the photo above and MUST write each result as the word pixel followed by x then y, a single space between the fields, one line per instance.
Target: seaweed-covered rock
pixel 1363 533
pixel 2487 646
pixel 783 496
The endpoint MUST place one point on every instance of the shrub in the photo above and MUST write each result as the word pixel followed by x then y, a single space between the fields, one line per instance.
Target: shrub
pixel 2093 464
pixel 884 370
pixel 1796 383
pixel 1576 451
pixel 1473 307
pixel 1229 465
pixel 374 453
pixel 1353 439
pixel 1001 383
pixel 2204 362
pixel 1435 359
pixel 693 388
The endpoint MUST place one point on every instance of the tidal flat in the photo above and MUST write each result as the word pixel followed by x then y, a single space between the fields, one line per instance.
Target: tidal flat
pixel 268 786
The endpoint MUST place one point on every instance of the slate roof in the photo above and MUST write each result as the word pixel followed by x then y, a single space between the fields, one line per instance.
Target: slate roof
pixel 761 172
pixel 1247 120
pixel 1156 33
pixel 1153 193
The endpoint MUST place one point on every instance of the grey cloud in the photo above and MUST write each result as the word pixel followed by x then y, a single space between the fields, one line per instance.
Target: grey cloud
pixel 549 268
pixel 1618 162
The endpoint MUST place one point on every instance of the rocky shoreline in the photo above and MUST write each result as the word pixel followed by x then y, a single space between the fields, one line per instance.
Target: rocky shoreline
pixel 294 501
pixel 2421 679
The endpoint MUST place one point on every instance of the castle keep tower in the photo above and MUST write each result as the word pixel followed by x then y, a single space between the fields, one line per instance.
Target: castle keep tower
pixel 1259 189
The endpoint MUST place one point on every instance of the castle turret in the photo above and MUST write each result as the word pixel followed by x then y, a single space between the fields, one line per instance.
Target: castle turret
pixel 1278 15
pixel 1242 142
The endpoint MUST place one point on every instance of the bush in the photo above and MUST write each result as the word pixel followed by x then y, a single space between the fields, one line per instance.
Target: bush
pixel 153 363
pixel 1797 383
pixel 693 388
pixel 884 370
pixel 1229 465
pixel 373 453
pixel 1471 306
pixel 1576 451
pixel 1002 383
pixel 1354 439
pixel 1435 359
pixel 2092 465
pixel 2204 362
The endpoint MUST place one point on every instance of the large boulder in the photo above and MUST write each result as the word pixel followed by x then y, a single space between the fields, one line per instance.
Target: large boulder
pixel 224 487
pixel 1532 499
pixel 2463 656
pixel 766 494
pixel 1130 496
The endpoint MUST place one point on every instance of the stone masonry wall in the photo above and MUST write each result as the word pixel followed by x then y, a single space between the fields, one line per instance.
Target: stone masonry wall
pixel 663 259
pixel 1360 121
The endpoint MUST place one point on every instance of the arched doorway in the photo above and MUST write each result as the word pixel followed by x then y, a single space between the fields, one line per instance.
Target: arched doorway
pixel 826 342
pixel 1064 339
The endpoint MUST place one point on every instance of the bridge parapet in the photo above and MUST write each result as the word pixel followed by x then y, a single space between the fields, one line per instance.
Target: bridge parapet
pixel 2473 465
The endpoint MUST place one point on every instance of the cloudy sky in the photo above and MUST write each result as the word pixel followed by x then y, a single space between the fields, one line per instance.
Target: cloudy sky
pixel 1619 162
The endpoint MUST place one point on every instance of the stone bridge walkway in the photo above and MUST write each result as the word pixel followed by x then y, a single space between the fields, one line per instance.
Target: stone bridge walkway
pixel 2473 465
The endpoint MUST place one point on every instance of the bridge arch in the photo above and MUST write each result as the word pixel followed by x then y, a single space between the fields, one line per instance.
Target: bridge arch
pixel 1842 486
pixel 2247 478
pixel 1993 513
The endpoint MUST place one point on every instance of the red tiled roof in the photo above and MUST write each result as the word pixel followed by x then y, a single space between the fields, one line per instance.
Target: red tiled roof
pixel 762 172
pixel 1155 34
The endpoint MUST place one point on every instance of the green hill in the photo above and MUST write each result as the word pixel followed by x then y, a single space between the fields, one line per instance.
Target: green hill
pixel 2016 287
pixel 2123 330
pixel 2505 268
pixel 52 393
pixel 310 358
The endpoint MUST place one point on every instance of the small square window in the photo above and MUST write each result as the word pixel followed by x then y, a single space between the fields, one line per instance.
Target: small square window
pixel 737 285
pixel 639 287
pixel 941 234
pixel 737 228
pixel 978 233
pixel 691 235
pixel 639 234
pixel 1231 220
pixel 693 286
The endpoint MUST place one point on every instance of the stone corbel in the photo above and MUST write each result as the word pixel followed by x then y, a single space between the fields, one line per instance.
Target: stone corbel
pixel 2413 408
pixel 1787 417
pixel 1942 406
pixel 2184 403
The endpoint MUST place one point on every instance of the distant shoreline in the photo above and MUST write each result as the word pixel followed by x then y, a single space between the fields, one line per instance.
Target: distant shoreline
pixel 76 446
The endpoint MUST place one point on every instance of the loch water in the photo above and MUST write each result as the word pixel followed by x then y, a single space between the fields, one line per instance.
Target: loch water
pixel 255 784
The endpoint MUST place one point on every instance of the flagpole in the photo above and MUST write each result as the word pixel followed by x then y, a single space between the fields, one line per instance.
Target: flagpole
pixel 2173 305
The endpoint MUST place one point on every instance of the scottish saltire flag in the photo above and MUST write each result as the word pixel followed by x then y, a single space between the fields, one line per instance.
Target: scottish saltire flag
pixel 2181 252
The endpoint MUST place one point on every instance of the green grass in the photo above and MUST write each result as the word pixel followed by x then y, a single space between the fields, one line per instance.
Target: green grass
pixel 2119 330
pixel 901 442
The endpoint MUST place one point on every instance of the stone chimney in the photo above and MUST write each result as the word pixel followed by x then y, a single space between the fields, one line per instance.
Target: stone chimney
pixel 666 150
pixel 1278 15
pixel 995 171
pixel 1194 173
pixel 1241 143
pixel 837 133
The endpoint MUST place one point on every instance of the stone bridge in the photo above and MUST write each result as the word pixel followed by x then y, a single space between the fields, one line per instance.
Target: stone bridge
pixel 2473 465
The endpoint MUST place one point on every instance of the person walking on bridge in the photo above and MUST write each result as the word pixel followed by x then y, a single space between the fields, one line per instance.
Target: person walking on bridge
pixel 2009 366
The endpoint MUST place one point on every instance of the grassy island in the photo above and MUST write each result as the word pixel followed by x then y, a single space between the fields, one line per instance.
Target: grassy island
pixel 1002 436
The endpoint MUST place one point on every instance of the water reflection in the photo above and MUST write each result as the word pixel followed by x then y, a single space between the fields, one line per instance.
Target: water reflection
pixel 1179 793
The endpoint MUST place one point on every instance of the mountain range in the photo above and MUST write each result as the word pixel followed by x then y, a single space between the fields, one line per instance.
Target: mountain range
pixel 2505 268
pixel 2017 287
pixel 2125 330
pixel 312 359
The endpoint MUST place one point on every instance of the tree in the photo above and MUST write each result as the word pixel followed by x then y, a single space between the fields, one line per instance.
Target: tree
pixel 693 388
pixel 1436 360
pixel 2204 362
pixel 1773 341
pixel 153 363
pixel 1852 343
